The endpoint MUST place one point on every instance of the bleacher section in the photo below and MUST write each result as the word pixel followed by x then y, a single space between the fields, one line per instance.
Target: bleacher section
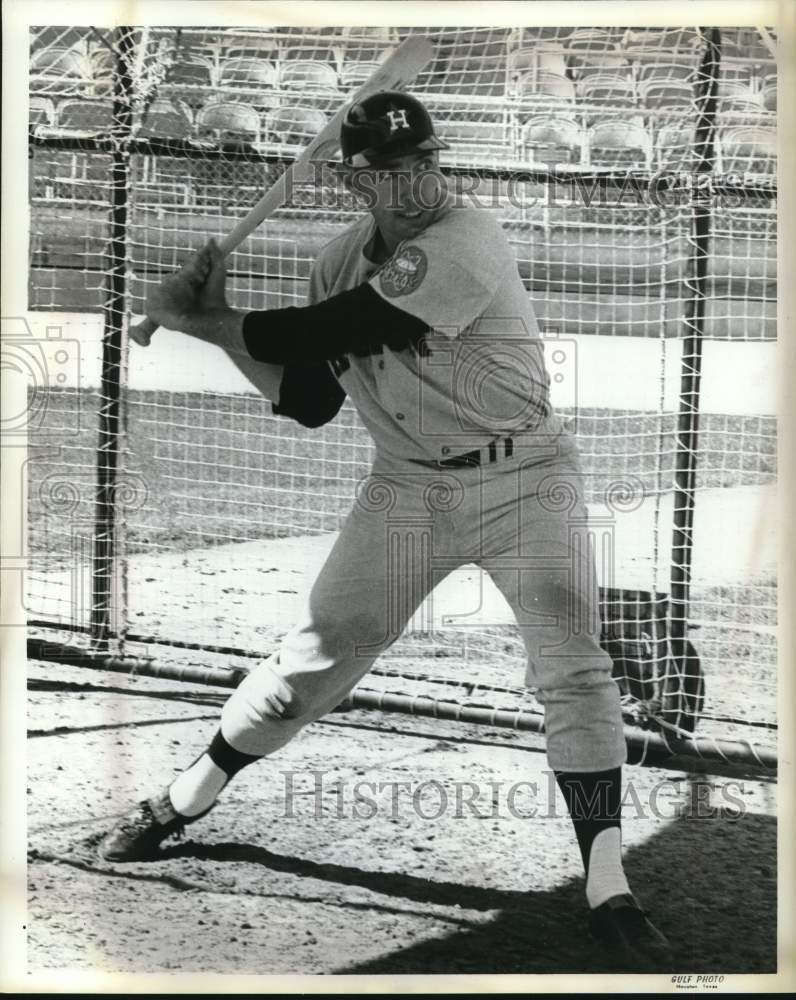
pixel 571 98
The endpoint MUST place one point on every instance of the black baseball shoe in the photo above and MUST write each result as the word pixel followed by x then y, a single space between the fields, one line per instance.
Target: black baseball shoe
pixel 137 835
pixel 629 936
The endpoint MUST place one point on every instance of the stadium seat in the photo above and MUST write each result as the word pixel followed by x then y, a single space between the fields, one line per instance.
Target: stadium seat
pixel 552 139
pixel 729 90
pixel 247 74
pixel 254 47
pixel 619 143
pixel 85 116
pixel 599 65
pixel 552 60
pixel 103 67
pixel 739 103
pixel 228 120
pixel 750 110
pixel 770 93
pixel 41 111
pixel 674 147
pixel 663 94
pixel 368 44
pixel 308 52
pixel 549 60
pixel 187 72
pixel 371 32
pixel 682 39
pixel 748 148
pixel 165 119
pixel 613 90
pixel 664 71
pixel 354 74
pixel 591 40
pixel 60 71
pixel 542 85
pixel 294 124
pixel 363 47
pixel 532 36
pixel 740 72
pixel 648 39
pixel 308 75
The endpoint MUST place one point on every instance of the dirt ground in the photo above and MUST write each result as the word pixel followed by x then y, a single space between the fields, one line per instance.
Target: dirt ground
pixel 303 878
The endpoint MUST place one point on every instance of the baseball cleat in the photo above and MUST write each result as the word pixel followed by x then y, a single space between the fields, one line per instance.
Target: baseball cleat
pixel 137 835
pixel 629 936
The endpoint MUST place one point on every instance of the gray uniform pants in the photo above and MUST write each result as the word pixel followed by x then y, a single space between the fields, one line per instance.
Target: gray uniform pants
pixel 524 522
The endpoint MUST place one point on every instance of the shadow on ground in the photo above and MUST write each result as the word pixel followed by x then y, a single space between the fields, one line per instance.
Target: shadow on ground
pixel 709 883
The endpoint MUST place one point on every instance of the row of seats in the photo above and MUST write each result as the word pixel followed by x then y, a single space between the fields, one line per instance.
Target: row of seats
pixel 165 119
pixel 612 142
pixel 627 143
pixel 174 118
pixel 658 89
pixel 665 80
pixel 735 42
pixel 652 95
pixel 489 68
pixel 66 71
pixel 548 138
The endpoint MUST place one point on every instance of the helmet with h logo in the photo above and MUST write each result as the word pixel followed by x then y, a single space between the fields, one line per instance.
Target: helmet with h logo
pixel 389 123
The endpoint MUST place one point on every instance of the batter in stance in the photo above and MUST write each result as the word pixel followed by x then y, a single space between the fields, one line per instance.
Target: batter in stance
pixel 418 314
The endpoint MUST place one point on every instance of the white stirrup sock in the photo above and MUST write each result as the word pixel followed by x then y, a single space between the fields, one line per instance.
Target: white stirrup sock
pixel 197 788
pixel 606 876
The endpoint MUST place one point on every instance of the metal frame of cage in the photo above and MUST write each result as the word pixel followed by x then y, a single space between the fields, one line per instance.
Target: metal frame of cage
pixel 672 613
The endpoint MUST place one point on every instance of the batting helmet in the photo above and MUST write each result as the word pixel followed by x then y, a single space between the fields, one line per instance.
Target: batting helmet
pixel 386 124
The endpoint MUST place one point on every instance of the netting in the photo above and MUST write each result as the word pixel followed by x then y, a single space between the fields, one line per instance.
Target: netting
pixel 198 517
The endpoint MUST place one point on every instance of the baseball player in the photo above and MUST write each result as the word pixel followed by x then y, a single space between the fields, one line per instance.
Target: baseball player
pixel 418 314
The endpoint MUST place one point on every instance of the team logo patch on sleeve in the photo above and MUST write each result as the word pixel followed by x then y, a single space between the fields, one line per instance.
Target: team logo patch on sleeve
pixel 403 272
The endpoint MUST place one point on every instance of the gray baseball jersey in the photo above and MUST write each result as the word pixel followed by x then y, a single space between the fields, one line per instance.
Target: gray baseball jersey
pixel 479 374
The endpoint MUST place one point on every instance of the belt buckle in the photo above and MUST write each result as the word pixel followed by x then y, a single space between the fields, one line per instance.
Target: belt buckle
pixel 475 458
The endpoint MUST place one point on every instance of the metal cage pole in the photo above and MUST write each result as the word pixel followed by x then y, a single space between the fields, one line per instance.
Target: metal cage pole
pixel 691 370
pixel 103 569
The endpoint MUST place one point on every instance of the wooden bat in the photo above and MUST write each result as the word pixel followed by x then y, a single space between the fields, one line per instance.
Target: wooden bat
pixel 400 68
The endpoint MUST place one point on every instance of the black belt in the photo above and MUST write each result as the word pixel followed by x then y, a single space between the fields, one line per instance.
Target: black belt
pixel 493 452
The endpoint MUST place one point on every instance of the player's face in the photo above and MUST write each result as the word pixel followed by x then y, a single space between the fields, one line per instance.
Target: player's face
pixel 404 194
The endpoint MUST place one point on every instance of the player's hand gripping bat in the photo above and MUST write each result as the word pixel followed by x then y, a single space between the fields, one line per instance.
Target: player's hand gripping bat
pixel 400 68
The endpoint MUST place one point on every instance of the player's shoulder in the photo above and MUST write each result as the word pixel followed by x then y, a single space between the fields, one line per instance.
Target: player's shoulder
pixel 472 237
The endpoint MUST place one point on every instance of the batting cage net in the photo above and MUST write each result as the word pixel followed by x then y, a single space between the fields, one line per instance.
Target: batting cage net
pixel 175 521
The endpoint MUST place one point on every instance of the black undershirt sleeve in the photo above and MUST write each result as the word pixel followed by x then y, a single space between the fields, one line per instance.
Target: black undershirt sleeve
pixel 309 394
pixel 356 322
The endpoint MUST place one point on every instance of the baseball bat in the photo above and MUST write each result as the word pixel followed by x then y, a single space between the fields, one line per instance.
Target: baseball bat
pixel 400 68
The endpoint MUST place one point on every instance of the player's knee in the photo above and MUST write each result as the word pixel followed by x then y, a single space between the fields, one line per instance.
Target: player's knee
pixel 270 697
pixel 282 703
